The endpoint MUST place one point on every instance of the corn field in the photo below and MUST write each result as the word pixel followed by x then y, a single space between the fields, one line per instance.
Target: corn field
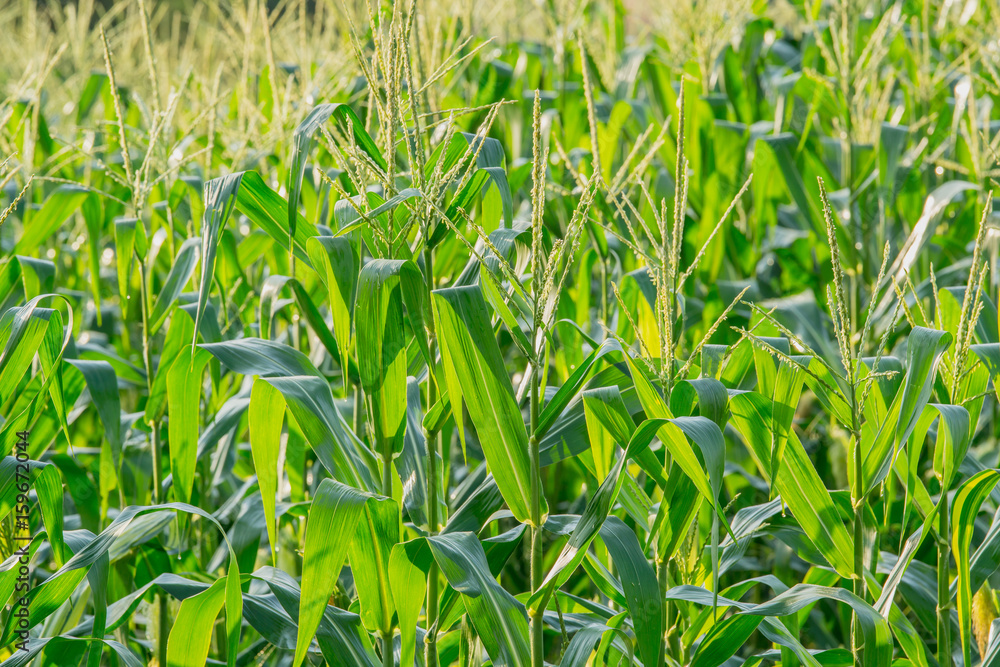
pixel 439 332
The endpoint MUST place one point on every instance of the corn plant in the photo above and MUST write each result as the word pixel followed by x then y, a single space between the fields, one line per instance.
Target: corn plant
pixel 570 333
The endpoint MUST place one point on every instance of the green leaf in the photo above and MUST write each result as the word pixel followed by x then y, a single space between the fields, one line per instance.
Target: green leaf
pixel 408 566
pixel 924 229
pixel 907 409
pixel 266 414
pixel 47 483
pixel 476 377
pixel 797 482
pixel 708 393
pixel 220 198
pixel 608 424
pixel 336 260
pixel 125 240
pixel 678 508
pixel 47 597
pixel 772 629
pixel 412 463
pixel 178 334
pixel 488 180
pixel 787 390
pixel 924 349
pixel 302 140
pixel 642 593
pixel 102 383
pixel 600 504
pixel 986 558
pixel 255 356
pixel 582 646
pixel 270 304
pixel 189 642
pixel 778 180
pixel 67 650
pixel 968 500
pixel 335 513
pixel 338 511
pixel 555 406
pixel 184 390
pixel 499 619
pixel 180 273
pixel 377 533
pixel 310 403
pixel 58 206
pixel 22 330
pixel 674 433
pixel 343 640
pixel 37 275
pixel 269 211
pixel 341 636
pixel 193 628
pixel 350 219
pixel 877 637
pixel 724 640
pixel 497 298
pixel 384 287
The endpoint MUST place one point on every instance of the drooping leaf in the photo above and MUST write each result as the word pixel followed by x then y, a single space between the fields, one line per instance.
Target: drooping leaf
pixel 334 516
pixel 384 287
pixel 336 261
pixel 266 415
pixel 184 389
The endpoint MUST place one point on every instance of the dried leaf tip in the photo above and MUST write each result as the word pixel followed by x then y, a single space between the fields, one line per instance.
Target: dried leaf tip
pixel 538 158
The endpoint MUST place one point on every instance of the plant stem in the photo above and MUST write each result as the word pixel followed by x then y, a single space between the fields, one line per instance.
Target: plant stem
pixel 604 291
pixel 859 565
pixel 661 579
pixel 387 649
pixel 537 627
pixel 944 564
pixel 943 592
pixel 147 358
pixel 385 445
pixel 359 414
pixel 163 627
pixel 667 385
pixel 858 502
pixel 537 355
pixel 157 464
pixel 386 470
pixel 430 640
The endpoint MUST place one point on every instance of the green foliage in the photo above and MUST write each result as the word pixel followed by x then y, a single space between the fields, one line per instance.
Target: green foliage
pixel 514 335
